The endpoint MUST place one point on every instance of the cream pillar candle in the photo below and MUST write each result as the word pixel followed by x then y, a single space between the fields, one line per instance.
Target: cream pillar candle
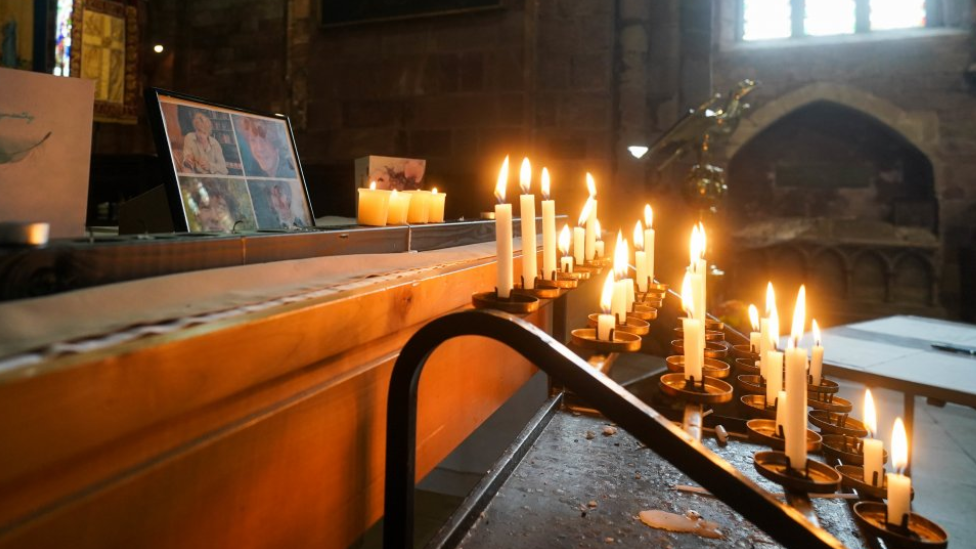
pixel 503 235
pixel 755 334
pixel 816 356
pixel 419 211
pixel 373 207
pixel 606 321
pixel 435 213
pixel 692 328
pixel 566 263
pixel 591 220
pixel 781 405
pixel 796 389
pixel 899 486
pixel 548 230
pixel 873 448
pixel 530 265
pixel 649 241
pixel 640 257
pixel 399 207
pixel 774 381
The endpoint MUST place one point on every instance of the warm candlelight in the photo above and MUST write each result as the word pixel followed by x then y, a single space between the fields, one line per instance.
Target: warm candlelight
pixel 899 486
pixel 873 448
pixel 373 206
pixel 435 214
pixel 548 230
pixel 503 234
pixel 566 263
pixel 701 267
pixel 640 257
pixel 620 256
pixel 530 264
pixel 816 356
pixel 767 340
pixel 605 321
pixel 399 208
pixel 649 240
pixel 755 333
pixel 419 211
pixel 796 388
pixel 691 327
pixel 591 219
pixel 579 233
pixel 600 248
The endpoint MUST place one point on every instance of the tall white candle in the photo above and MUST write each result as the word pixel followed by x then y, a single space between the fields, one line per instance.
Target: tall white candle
pixel 816 356
pixel 591 220
pixel 619 304
pixel 548 230
pixel 640 257
pixel 579 234
pixel 649 240
pixel 566 263
pixel 774 381
pixel 754 335
pixel 503 235
pixel 530 266
pixel 691 328
pixel 606 320
pixel 899 486
pixel 796 389
pixel 873 448
pixel 781 406
pixel 702 268
pixel 765 345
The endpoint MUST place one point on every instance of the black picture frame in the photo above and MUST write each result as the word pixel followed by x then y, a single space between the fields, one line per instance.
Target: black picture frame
pixel 339 13
pixel 227 169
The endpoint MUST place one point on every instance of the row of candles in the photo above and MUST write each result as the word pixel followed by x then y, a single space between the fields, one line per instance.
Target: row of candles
pixel 379 207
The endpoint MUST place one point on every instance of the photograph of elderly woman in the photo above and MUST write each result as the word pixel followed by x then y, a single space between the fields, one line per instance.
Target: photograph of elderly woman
pixel 265 147
pixel 202 140
pixel 214 204
pixel 279 204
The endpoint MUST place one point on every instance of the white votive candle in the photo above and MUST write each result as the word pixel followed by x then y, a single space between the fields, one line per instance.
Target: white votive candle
pixel 548 230
pixel 399 207
pixel 435 213
pixel 374 205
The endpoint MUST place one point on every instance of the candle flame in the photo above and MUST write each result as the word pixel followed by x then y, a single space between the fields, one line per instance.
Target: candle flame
pixel 606 298
pixel 648 216
pixel 525 176
pixel 899 446
pixel 754 317
pixel 620 257
pixel 545 184
pixel 694 251
pixel 564 240
pixel 434 191
pixel 638 237
pixel 372 185
pixel 870 414
pixel 597 229
pixel 502 182
pixel 590 185
pixel 393 195
pixel 702 242
pixel 817 342
pixel 585 214
pixel 687 299
pixel 770 298
pixel 799 315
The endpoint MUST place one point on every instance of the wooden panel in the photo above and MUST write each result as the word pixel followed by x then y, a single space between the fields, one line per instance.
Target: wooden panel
pixel 261 432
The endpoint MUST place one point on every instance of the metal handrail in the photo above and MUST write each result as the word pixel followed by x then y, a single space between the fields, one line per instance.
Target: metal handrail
pixel 783 523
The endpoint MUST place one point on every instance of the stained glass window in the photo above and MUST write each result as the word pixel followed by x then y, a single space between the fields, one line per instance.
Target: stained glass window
pixel 62 38
pixel 828 17
pixel 766 19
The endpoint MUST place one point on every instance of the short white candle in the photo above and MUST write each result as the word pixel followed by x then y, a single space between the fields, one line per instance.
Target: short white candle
pixel 873 448
pixel 566 263
pixel 530 265
pixel 691 328
pixel 774 381
pixel 503 235
pixel 606 321
pixel 435 214
pixel 816 356
pixel 640 258
pixel 899 486
pixel 649 240
pixel 548 230
pixel 591 220
pixel 754 335
pixel 399 207
pixel 373 206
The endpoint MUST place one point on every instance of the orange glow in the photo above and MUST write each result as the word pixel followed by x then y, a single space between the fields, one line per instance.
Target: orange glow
pixel 638 237
pixel 754 317
pixel 620 257
pixel 585 214
pixel 372 185
pixel 502 182
pixel 694 247
pixel 606 298
pixel 564 239
pixel 597 229
pixel 702 241
pixel 590 185
pixel 545 184
pixel 770 298
pixel 525 176
pixel 648 216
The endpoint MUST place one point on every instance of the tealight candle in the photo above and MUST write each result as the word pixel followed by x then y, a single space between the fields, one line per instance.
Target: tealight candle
pixel 530 266
pixel 566 263
pixel 649 241
pixel 899 486
pixel 606 321
pixel 796 389
pixel 591 219
pixel 435 213
pixel 419 211
pixel 503 235
pixel 548 230
pixel 640 257
pixel 399 207
pixel 816 356
pixel 373 207
pixel 694 351
pixel 754 335
pixel 873 448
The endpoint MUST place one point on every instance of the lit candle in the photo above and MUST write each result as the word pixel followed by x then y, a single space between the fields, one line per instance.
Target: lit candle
pixel 591 219
pixel 755 333
pixel 548 230
pixel 796 389
pixel 619 303
pixel 649 240
pixel 781 413
pixel 436 212
pixel 774 382
pixel 606 321
pixel 768 339
pixel 816 356
pixel 503 235
pixel 579 233
pixel 873 448
pixel 566 263
pixel 640 257
pixel 600 248
pixel 701 267
pixel 399 207
pixel 419 211
pixel 373 206
pixel 530 265
pixel 899 486
pixel 691 327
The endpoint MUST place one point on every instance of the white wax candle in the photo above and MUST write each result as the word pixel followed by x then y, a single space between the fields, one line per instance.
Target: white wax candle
pixel 694 352
pixel 566 264
pixel 816 364
pixel 796 413
pixel 374 205
pixel 530 265
pixel 630 295
pixel 419 211
pixel 619 305
pixel 435 213
pixel 781 405
pixel 591 232
pixel 873 461
pixel 579 245
pixel 641 263
pixel 606 321
pixel 549 239
pixel 604 325
pixel 754 341
pixel 649 252
pixel 899 497
pixel 774 381
pixel 503 248
pixel 399 207
pixel 765 345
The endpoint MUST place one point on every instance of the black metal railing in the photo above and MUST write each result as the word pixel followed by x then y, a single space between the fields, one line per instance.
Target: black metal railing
pixel 783 523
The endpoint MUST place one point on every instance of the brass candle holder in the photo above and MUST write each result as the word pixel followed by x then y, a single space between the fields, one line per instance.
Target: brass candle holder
pixel 835 423
pixel 852 477
pixel 633 325
pixel 560 280
pixel 516 303
pixel 704 391
pixel 619 342
pixel 764 431
pixel 754 406
pixel 828 401
pixel 710 368
pixel 744 352
pixel 849 450
pixel 751 384
pixel 540 291
pixel 815 477
pixel 643 312
pixel 746 366
pixel 914 532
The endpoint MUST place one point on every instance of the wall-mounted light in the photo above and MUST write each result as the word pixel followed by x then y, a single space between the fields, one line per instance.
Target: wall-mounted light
pixel 638 151
pixel 158 48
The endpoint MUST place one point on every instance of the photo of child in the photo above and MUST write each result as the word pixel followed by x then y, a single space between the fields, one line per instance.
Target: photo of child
pixel 279 204
pixel 214 204
pixel 265 147
pixel 201 140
